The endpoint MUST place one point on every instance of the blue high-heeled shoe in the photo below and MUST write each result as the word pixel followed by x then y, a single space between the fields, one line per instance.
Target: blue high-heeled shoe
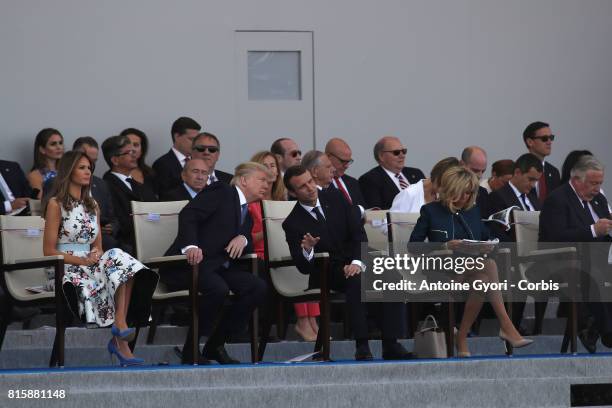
pixel 123 361
pixel 126 335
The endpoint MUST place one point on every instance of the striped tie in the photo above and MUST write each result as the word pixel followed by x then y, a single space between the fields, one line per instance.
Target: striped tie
pixel 402 181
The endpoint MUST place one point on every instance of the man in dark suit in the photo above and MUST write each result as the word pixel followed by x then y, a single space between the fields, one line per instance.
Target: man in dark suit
pixel 195 176
pixel 169 166
pixel 214 230
pixel 578 212
pixel 538 138
pixel 287 153
pixel 324 222
pixel 340 155
pixel 381 184
pixel 474 159
pixel 206 146
pixel 519 192
pixel 119 155
pixel 15 191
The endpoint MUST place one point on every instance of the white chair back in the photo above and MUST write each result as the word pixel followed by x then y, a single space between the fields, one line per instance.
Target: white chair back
pixel 401 225
pixel 22 238
pixel 376 229
pixel 526 226
pixel 155 227
pixel 287 280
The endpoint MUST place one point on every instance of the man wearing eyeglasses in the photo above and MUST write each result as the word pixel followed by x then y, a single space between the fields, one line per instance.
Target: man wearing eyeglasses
pixel 287 153
pixel 538 138
pixel 381 184
pixel 120 156
pixel 168 167
pixel 340 155
pixel 206 146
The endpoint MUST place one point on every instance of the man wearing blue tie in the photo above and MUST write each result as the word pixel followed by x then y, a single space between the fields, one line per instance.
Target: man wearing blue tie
pixel 214 230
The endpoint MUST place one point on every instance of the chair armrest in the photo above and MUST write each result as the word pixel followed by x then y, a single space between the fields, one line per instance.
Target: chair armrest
pixel 40 262
pixel 247 257
pixel 165 259
pixel 321 255
pixel 378 253
pixel 40 259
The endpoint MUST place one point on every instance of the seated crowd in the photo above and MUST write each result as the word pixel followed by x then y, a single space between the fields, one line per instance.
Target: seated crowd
pixel 89 221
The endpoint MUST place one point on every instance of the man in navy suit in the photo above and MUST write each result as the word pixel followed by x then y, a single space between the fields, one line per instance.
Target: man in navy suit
pixel 324 222
pixel 538 138
pixel 15 191
pixel 169 166
pixel 381 184
pixel 120 157
pixel 474 159
pixel 195 176
pixel 206 146
pixel 214 230
pixel 578 212
pixel 519 192
pixel 340 155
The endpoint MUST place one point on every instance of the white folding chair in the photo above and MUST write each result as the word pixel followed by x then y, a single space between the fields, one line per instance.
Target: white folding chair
pixel 289 284
pixel 23 266
pixel 376 230
pixel 35 207
pixel 526 227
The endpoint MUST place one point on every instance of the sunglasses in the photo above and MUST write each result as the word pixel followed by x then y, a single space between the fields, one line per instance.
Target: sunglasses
pixel 202 148
pixel 397 152
pixel 295 153
pixel 342 161
pixel 544 138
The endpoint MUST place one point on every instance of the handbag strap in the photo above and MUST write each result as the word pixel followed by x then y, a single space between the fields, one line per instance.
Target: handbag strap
pixel 425 327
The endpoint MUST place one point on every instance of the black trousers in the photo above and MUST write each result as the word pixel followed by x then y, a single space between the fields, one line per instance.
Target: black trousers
pixel 389 316
pixel 214 288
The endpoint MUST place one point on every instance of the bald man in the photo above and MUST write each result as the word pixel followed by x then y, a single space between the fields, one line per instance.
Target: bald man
pixel 194 176
pixel 341 157
pixel 381 184
pixel 474 159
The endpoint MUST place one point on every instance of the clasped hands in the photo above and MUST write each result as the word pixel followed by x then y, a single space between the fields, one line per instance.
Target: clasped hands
pixel 309 242
pixel 92 257
pixel 234 250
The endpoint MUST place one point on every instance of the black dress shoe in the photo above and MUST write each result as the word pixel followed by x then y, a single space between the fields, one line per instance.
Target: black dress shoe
pixel 219 354
pixel 187 358
pixel 396 352
pixel 589 336
pixel 363 353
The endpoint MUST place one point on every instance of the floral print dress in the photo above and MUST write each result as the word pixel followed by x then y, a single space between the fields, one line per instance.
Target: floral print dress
pixel 95 285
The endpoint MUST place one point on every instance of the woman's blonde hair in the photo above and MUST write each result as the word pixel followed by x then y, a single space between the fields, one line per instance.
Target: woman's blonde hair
pixel 455 182
pixel 279 192
pixel 61 184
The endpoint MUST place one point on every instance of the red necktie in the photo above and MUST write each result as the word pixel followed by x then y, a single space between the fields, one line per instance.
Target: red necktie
pixel 343 190
pixel 542 191
pixel 402 181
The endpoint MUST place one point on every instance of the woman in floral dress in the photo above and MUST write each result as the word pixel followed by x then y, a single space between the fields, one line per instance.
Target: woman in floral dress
pixel 102 282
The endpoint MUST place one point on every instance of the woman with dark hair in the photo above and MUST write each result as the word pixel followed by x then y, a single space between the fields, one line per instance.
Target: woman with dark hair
pixel 570 161
pixel 103 285
pixel 48 149
pixel 452 219
pixel 143 173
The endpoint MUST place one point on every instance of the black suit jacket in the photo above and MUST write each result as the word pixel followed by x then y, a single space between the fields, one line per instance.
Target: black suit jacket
pixel 223 176
pixel 16 181
pixel 379 190
pixel 482 201
pixel 563 218
pixel 500 200
pixel 121 198
pixel 552 178
pixel 179 193
pixel 341 234
pixel 210 221
pixel 354 190
pixel 167 172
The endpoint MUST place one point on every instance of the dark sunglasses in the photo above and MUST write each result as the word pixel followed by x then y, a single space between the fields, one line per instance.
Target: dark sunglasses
pixel 397 152
pixel 343 162
pixel 544 138
pixel 202 148
pixel 295 153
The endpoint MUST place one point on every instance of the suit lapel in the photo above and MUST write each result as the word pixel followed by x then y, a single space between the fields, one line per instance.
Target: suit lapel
pixel 390 185
pixel 576 204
